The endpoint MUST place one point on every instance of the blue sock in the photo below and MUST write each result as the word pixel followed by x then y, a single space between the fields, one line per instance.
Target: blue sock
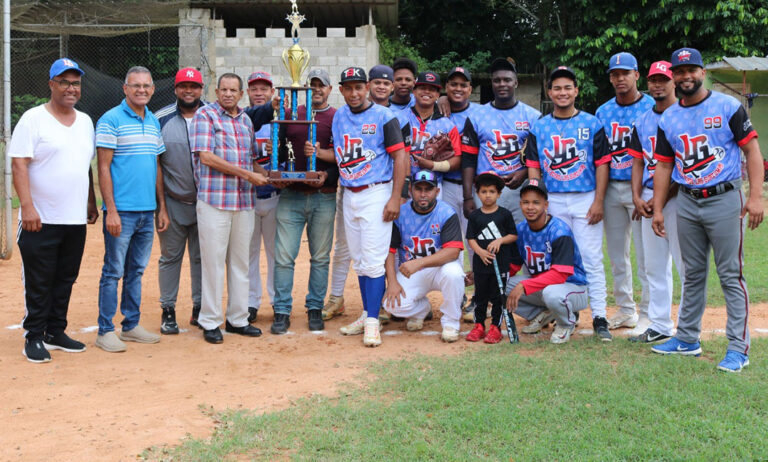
pixel 363 280
pixel 374 293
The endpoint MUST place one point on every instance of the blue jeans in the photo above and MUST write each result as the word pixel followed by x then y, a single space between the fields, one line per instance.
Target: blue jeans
pixel 318 212
pixel 125 257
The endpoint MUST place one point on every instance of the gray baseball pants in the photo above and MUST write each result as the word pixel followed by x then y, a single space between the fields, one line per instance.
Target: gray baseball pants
pixel 181 232
pixel 563 300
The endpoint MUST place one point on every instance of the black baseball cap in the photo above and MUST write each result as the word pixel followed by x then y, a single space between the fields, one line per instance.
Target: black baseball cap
pixel 353 74
pixel 562 71
pixel 405 63
pixel 424 176
pixel 492 177
pixel 428 78
pixel 381 71
pixel 460 71
pixel 502 64
pixel 686 57
pixel 535 184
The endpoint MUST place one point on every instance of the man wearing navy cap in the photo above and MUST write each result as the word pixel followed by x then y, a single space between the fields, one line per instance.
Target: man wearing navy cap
pixel 381 81
pixel 55 187
pixel 699 145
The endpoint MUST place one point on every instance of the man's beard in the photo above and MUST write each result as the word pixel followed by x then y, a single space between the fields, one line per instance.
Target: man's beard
pixel 191 105
pixel 426 209
pixel 696 85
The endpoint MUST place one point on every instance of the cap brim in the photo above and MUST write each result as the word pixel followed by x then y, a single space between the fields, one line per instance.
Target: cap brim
pixel 76 69
pixel 533 188
pixel 427 84
pixel 650 74
pixel 622 67
pixel 259 80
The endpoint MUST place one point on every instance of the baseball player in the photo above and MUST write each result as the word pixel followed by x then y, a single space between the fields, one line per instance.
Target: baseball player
pixel 381 79
pixel 557 282
pixel 404 73
pixel 702 136
pixel 568 150
pixel 618 115
pixel 370 152
pixel 659 251
pixel 427 238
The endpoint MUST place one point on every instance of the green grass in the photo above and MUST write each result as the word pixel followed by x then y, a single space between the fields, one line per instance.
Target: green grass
pixel 579 401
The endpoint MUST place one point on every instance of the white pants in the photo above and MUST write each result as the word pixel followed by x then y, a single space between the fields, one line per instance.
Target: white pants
pixel 453 195
pixel 618 224
pixel 224 240
pixel 448 279
pixel 562 300
pixel 660 252
pixel 265 224
pixel 572 208
pixel 341 258
pixel 368 235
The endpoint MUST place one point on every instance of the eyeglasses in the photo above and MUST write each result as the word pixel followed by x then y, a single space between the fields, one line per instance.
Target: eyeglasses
pixel 65 84
pixel 139 86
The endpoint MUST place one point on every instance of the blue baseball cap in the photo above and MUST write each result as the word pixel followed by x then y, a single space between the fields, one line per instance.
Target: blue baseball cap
pixel 425 176
pixel 381 71
pixel 622 60
pixel 686 57
pixel 63 65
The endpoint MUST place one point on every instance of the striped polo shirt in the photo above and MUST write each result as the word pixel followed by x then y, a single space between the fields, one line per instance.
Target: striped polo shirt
pixel 136 143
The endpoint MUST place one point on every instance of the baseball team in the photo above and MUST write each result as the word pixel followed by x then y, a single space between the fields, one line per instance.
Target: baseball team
pixel 527 196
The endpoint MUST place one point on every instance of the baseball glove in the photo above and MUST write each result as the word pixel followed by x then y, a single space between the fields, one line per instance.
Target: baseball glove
pixel 438 148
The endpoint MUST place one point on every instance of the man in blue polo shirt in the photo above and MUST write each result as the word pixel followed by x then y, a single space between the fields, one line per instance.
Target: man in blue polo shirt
pixel 128 141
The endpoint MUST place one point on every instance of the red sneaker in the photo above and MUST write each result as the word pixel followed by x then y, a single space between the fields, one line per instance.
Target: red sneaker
pixel 476 334
pixel 493 335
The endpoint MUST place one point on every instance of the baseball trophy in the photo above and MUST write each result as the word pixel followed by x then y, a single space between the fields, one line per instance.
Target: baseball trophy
pixel 296 61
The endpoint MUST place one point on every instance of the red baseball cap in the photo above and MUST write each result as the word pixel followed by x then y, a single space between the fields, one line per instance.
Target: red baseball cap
pixel 188 74
pixel 260 75
pixel 661 68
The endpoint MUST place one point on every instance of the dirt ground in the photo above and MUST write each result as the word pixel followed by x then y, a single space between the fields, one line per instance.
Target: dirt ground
pixel 98 405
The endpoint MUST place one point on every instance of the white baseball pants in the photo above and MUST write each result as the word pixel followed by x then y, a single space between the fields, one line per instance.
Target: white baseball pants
pixel 341 257
pixel 368 235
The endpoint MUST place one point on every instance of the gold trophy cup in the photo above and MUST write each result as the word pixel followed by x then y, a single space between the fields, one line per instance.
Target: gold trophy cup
pixel 296 60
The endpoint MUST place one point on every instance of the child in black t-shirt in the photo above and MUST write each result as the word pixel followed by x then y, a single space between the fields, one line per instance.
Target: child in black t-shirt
pixel 491 232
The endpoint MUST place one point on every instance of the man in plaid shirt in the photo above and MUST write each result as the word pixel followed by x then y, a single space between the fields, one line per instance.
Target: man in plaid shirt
pixel 222 145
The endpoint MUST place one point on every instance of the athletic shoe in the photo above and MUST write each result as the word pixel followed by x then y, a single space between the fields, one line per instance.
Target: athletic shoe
pixel 674 346
pixel 168 324
pixel 561 334
pixel 649 336
pixel 371 335
pixel 643 323
pixel 733 362
pixel 541 321
pixel 493 335
pixel 477 333
pixel 139 335
pixel 430 316
pixel 193 318
pixel 469 311
pixel 63 342
pixel 280 324
pixel 333 307
pixel 253 313
pixel 622 320
pixel 449 334
pixel 109 342
pixel 315 319
pixel 414 324
pixel 35 351
pixel 246 331
pixel 600 326
pixel 383 316
pixel 356 328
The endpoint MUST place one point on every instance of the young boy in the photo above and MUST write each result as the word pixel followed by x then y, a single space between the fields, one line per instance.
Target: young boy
pixel 490 233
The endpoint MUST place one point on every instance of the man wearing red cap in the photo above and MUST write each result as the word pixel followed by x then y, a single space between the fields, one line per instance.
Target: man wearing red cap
pixel 180 198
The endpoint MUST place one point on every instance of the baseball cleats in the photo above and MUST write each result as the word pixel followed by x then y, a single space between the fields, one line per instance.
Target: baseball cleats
pixel 733 362
pixel 333 307
pixel 622 320
pixel 35 352
pixel 383 316
pixel 469 311
pixel 109 342
pixel 371 335
pixel 139 335
pixel 649 336
pixel 477 333
pixel 541 321
pixel 63 342
pixel 315 319
pixel 168 324
pixel 493 335
pixel 414 324
pixel 280 324
pixel 356 328
pixel 600 325
pixel 674 346
pixel 449 334
pixel 561 334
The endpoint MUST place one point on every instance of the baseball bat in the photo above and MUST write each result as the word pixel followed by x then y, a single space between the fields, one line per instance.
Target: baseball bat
pixel 508 319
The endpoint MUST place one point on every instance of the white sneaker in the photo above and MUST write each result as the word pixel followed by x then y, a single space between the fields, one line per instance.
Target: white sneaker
pixel 371 337
pixel 449 334
pixel 109 342
pixel 561 334
pixel 541 321
pixel 414 324
pixel 140 335
pixel 622 320
pixel 356 328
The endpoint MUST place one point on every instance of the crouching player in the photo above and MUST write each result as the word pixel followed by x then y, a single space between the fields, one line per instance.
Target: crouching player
pixel 557 281
pixel 427 237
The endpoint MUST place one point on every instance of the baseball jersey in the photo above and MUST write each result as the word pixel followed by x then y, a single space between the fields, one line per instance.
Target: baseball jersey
pixel 486 228
pixel 552 247
pixel 497 137
pixel 617 120
pixel 362 142
pixel 417 235
pixel 704 140
pixel 399 107
pixel 643 143
pixel 462 119
pixel 567 151
pixel 416 133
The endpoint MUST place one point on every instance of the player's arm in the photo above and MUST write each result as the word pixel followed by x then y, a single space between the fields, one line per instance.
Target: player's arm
pixel 602 159
pixel 30 219
pixel 469 152
pixel 665 158
pixel 394 289
pixel 642 208
pixel 755 172
pixel 393 140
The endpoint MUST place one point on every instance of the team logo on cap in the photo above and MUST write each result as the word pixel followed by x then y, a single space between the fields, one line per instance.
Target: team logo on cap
pixel 533 182
pixel 562 68
pixel 68 62
pixel 190 74
pixel 352 72
pixel 661 66
pixel 430 77
pixel 460 69
pixel 684 55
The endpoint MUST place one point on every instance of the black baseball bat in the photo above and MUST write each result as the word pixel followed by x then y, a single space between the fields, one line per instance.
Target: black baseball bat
pixel 508 319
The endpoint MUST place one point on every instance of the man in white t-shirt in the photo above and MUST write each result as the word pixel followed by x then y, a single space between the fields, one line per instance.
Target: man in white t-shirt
pixel 52 147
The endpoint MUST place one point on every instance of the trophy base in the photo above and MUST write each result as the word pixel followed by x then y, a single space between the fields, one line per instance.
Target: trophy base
pixel 293 177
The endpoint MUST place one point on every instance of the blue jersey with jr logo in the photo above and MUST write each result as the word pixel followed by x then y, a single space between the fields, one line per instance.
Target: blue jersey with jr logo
pixel 618 120
pixel 416 133
pixel 643 143
pixel 552 247
pixel 417 235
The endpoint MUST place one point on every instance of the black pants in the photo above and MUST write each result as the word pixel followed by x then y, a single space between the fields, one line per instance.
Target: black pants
pixel 50 264
pixel 487 290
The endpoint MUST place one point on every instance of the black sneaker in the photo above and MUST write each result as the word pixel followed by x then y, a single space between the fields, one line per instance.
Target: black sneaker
pixel 253 312
pixel 195 314
pixel 281 324
pixel 649 336
pixel 600 325
pixel 315 320
pixel 62 342
pixel 168 324
pixel 429 316
pixel 35 352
